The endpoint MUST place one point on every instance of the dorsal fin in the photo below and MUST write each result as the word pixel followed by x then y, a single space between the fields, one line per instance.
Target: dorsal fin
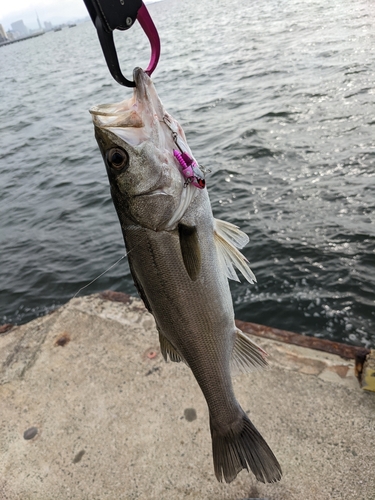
pixel 227 238
pixel 190 250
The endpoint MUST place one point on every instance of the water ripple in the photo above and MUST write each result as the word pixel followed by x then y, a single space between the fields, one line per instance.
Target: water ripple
pixel 276 100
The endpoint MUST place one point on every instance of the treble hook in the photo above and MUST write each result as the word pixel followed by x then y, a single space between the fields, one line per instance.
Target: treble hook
pixel 109 15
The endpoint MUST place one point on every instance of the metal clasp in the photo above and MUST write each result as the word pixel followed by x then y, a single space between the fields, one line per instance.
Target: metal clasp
pixel 108 16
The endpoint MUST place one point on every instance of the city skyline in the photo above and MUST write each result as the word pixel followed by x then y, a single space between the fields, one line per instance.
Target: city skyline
pixel 46 10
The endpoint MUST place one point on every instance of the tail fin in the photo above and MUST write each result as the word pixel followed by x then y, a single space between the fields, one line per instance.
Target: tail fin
pixel 243 449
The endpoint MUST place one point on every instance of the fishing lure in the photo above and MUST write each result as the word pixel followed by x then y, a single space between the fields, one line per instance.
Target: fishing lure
pixel 190 170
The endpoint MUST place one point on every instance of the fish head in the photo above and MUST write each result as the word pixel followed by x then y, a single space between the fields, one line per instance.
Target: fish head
pixel 137 144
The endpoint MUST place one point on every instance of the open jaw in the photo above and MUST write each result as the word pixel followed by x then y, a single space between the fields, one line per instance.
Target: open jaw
pixel 139 111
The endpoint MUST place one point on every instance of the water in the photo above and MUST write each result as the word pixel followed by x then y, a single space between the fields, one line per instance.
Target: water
pixel 276 98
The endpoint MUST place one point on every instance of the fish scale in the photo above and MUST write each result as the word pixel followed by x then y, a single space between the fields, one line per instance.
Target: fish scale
pixel 180 259
pixel 162 281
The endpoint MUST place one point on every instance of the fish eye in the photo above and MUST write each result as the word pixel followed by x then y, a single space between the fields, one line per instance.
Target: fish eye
pixel 117 158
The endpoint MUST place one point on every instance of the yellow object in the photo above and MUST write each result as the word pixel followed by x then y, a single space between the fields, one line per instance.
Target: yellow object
pixel 368 374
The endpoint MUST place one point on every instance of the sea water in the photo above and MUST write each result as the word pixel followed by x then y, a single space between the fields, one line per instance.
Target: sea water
pixel 277 101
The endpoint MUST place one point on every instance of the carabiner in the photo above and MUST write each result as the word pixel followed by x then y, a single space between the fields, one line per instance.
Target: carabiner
pixel 108 16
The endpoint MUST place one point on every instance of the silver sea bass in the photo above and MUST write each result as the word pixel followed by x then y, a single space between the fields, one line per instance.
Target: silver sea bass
pixel 181 258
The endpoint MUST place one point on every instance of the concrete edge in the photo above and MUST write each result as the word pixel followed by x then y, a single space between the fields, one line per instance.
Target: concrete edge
pixel 331 361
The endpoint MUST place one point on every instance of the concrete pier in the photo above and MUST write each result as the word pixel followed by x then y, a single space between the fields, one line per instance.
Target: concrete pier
pixel 90 410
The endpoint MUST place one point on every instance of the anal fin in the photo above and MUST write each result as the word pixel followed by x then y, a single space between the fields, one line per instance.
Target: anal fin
pixel 247 356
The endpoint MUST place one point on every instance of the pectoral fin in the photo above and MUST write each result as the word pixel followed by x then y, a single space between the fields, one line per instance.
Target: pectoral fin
pixel 231 233
pixel 228 238
pixel 247 356
pixel 190 250
pixel 139 287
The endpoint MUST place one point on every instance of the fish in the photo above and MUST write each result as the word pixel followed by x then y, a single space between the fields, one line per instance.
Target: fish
pixel 180 258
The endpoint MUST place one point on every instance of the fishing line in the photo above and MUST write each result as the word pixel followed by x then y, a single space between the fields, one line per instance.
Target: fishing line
pixel 117 261
pixel 100 275
pixel 110 267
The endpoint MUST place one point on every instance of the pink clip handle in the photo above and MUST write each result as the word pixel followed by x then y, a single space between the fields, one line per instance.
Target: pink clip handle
pixel 149 28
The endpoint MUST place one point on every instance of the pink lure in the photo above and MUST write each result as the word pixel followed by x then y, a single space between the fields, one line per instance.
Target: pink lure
pixel 190 170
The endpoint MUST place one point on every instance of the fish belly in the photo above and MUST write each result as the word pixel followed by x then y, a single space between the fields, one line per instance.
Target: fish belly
pixel 197 319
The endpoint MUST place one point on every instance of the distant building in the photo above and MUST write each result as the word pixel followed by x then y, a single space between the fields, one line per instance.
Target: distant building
pixel 47 25
pixel 37 18
pixel 10 35
pixel 20 28
pixel 3 35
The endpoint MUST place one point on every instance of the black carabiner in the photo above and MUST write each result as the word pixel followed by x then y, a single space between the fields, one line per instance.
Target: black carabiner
pixel 108 15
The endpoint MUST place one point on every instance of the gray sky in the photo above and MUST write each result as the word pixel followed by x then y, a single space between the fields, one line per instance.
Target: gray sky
pixel 55 11
pixel 48 10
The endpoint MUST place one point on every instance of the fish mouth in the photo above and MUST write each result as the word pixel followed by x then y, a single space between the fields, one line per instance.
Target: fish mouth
pixel 132 119
pixel 142 81
pixel 127 113
pixel 146 97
